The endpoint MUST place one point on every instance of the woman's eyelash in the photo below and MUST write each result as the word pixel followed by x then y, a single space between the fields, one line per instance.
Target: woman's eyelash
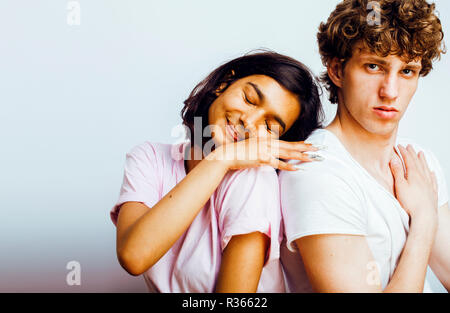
pixel 247 100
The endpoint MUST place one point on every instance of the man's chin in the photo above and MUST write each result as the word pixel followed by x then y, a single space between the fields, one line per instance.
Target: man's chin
pixel 386 130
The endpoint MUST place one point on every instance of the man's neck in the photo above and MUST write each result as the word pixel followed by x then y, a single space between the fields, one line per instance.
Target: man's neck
pixel 372 151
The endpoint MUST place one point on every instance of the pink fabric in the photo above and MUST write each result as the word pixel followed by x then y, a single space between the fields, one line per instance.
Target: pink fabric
pixel 246 201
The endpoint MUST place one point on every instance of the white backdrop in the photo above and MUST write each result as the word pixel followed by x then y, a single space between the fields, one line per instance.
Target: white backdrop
pixel 75 98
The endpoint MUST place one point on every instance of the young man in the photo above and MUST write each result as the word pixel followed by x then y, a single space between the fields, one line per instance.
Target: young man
pixel 374 213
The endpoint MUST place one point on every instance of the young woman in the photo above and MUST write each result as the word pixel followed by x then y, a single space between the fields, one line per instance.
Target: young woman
pixel 210 220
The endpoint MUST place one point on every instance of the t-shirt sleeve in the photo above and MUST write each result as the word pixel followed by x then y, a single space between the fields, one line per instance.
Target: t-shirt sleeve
pixel 435 166
pixel 248 201
pixel 315 201
pixel 140 182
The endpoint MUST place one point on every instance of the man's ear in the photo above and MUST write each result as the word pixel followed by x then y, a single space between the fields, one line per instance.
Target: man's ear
pixel 335 71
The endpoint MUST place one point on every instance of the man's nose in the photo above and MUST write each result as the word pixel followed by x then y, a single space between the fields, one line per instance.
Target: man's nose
pixel 389 87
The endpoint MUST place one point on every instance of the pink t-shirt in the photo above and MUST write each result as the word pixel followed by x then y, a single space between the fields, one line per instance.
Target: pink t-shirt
pixel 246 201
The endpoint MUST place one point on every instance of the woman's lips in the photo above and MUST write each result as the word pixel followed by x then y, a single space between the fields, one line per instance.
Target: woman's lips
pixel 232 131
pixel 385 112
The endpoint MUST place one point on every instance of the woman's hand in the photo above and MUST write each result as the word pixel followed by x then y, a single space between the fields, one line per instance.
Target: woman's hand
pixel 257 151
pixel 416 190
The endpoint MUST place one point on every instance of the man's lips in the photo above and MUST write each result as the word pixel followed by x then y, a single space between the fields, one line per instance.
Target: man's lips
pixel 386 108
pixel 385 112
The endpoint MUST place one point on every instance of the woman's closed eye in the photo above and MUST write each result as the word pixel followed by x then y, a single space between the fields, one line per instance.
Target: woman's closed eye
pixel 248 100
pixel 273 128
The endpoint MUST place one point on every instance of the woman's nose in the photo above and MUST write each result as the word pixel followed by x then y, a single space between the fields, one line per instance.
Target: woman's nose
pixel 248 128
pixel 251 121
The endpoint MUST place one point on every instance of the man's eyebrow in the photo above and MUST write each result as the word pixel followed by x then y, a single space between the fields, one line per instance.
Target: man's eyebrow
pixel 413 66
pixel 374 59
pixel 261 98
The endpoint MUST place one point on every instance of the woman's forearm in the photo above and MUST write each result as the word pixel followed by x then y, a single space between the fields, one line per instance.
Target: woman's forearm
pixel 417 192
pixel 154 233
pixel 410 273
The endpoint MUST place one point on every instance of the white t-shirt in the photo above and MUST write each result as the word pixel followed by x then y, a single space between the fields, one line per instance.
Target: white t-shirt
pixel 339 196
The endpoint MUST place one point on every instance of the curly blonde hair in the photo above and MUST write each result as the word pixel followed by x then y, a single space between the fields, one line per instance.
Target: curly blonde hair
pixel 407 28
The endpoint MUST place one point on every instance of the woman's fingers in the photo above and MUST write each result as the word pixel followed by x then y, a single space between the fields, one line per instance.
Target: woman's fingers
pixel 416 193
pixel 262 151
pixel 424 164
pixel 281 165
pixel 414 157
pixel 295 151
pixel 296 155
pixel 435 188
pixel 275 162
pixel 397 170
pixel 417 164
pixel 420 163
pixel 297 145
pixel 408 159
pixel 434 181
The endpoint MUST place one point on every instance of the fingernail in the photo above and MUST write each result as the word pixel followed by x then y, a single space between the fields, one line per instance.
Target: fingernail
pixel 395 162
pixel 320 147
pixel 316 157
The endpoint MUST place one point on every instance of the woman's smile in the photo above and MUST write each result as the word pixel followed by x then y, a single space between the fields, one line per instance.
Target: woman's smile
pixel 231 130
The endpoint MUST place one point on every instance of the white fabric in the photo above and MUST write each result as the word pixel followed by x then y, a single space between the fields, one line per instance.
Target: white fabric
pixel 338 196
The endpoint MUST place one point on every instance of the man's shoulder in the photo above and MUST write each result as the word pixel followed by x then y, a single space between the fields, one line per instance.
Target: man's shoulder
pixel 336 172
pixel 405 141
pixel 432 160
pixel 334 159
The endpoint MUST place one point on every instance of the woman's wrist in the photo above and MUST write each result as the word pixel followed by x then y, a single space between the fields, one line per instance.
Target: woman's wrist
pixel 425 225
pixel 219 158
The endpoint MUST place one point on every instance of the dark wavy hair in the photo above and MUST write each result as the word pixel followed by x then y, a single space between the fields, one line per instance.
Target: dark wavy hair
pixel 407 28
pixel 288 72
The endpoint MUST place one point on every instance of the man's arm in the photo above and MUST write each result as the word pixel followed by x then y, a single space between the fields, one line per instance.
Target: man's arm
pixel 344 263
pixel 440 253
pixel 339 263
